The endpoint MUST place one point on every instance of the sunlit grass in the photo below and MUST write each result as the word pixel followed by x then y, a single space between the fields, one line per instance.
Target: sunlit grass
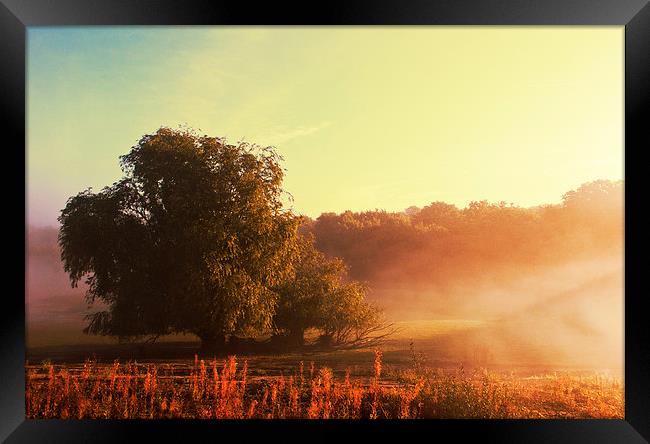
pixel 225 389
pixel 425 329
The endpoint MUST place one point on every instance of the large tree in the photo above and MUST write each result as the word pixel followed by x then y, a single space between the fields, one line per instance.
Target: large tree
pixel 191 240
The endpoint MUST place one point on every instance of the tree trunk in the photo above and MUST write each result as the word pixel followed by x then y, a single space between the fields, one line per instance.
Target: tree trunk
pixel 212 342
pixel 297 337
pixel 326 340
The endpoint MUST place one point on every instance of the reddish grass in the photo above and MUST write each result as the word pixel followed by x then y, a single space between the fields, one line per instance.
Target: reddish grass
pixel 221 390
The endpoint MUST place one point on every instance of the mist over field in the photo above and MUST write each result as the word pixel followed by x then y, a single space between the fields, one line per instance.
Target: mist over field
pixel 54 310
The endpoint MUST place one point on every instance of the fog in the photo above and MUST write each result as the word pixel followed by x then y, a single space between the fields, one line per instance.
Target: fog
pixel 569 314
pixel 54 311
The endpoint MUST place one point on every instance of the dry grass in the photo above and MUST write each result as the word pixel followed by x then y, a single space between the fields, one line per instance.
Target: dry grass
pixel 224 389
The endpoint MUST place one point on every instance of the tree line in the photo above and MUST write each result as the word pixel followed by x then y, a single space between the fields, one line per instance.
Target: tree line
pixel 443 244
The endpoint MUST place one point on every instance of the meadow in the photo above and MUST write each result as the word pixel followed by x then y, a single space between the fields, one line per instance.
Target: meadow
pixel 414 375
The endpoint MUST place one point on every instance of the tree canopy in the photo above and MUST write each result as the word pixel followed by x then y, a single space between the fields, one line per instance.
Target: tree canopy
pixel 192 239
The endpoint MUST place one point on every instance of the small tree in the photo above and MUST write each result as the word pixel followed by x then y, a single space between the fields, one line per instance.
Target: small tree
pixel 301 295
pixel 318 295
pixel 192 239
pixel 349 320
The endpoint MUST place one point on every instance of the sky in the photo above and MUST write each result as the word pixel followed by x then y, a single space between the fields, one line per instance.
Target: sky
pixel 365 117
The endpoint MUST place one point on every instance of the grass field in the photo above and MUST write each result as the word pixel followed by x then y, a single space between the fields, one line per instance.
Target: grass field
pixel 231 389
pixel 429 369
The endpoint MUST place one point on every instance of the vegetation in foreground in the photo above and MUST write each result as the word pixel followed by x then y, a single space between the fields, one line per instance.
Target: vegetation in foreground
pixel 225 390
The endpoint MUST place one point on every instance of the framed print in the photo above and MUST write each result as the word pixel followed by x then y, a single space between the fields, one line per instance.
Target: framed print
pixel 376 218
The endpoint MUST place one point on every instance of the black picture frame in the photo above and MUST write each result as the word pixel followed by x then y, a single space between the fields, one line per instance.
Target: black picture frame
pixel 16 15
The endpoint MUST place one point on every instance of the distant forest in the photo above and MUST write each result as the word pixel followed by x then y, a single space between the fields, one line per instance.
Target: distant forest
pixel 441 244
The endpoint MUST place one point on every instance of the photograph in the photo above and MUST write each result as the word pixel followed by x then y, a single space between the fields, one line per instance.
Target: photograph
pixel 325 222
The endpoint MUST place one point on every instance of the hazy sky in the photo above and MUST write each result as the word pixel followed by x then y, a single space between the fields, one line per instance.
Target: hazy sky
pixel 365 117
